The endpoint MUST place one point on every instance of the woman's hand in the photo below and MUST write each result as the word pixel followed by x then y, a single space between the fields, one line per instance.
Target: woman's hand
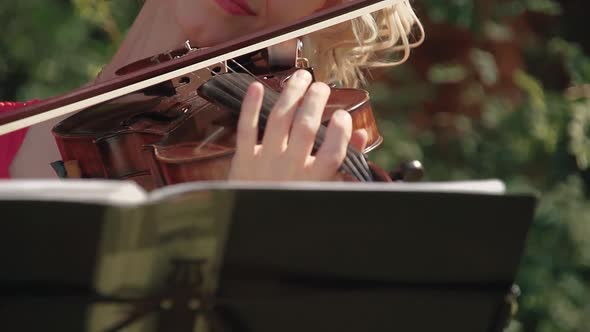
pixel 285 151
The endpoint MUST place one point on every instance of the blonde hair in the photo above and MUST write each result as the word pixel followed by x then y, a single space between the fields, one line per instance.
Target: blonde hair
pixel 341 53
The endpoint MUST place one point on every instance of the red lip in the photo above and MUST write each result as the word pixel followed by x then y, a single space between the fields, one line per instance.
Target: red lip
pixel 236 7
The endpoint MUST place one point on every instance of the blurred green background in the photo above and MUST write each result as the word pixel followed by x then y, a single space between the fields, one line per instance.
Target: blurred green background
pixel 496 91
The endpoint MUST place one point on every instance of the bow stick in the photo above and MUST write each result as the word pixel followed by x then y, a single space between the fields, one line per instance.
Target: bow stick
pixel 98 93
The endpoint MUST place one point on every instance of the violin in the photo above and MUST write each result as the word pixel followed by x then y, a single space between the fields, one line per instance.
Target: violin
pixel 185 130
pixel 171 118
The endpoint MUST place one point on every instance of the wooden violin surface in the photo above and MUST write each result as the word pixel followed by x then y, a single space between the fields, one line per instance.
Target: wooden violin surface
pixel 164 140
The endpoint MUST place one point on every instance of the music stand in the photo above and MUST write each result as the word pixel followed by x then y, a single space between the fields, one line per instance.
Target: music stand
pixel 291 260
pixel 373 261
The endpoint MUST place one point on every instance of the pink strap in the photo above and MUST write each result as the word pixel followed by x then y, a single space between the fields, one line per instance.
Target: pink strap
pixel 10 143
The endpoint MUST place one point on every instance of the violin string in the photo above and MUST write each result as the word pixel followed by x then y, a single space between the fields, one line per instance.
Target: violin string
pixel 249 73
pixel 217 133
pixel 355 162
pixel 268 98
pixel 211 138
pixel 353 157
pixel 215 74
pixel 351 163
pixel 363 159
pixel 242 83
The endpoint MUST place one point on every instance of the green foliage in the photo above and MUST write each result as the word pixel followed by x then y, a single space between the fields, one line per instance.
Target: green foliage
pixel 579 133
pixel 576 62
pixel 53 47
pixel 515 8
pixel 458 12
pixel 529 130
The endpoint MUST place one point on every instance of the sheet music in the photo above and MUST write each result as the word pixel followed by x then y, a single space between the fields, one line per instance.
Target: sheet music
pixel 490 186
pixel 106 192
pixel 112 192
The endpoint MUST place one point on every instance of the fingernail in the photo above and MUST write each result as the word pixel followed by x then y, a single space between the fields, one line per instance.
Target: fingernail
pixel 320 88
pixel 341 114
pixel 302 75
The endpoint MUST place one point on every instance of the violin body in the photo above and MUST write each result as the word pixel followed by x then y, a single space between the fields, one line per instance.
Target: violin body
pixel 171 135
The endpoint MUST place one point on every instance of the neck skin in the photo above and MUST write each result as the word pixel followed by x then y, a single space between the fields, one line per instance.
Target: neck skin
pixel 154 31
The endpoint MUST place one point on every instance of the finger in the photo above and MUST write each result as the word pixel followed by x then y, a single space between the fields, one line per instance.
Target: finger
pixel 333 150
pixel 247 135
pixel 343 177
pixel 359 139
pixel 281 117
pixel 308 119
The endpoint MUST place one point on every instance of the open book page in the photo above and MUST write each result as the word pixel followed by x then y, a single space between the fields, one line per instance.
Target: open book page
pixel 105 192
pixel 127 193
pixel 491 186
pixel 171 245
pixel 196 236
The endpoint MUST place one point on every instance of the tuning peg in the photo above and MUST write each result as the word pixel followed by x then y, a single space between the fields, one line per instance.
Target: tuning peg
pixel 409 171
